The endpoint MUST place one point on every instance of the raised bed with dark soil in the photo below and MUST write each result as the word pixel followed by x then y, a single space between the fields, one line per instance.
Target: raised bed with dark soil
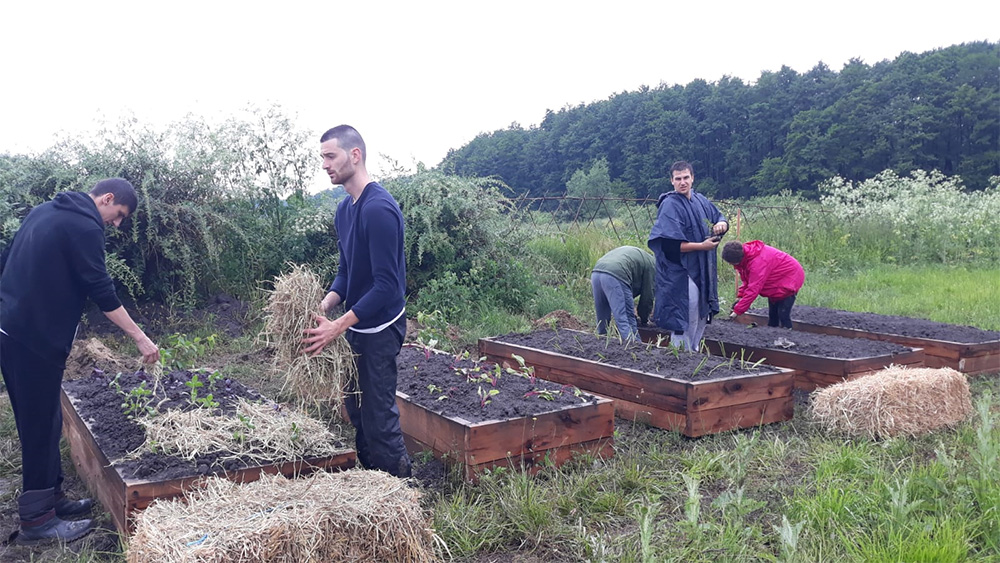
pixel 100 434
pixel 695 394
pixel 965 348
pixel 464 412
pixel 818 359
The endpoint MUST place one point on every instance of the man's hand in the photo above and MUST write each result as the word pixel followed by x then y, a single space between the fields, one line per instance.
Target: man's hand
pixel 324 333
pixel 711 243
pixel 720 227
pixel 330 301
pixel 150 352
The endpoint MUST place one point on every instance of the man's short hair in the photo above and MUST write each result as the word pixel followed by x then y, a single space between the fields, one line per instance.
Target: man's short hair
pixel 732 252
pixel 121 188
pixel 347 138
pixel 680 166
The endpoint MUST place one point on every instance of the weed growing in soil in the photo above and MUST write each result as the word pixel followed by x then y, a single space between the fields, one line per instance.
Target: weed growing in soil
pixel 181 352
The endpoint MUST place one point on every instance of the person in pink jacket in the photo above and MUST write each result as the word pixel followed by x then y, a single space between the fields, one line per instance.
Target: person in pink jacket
pixel 765 270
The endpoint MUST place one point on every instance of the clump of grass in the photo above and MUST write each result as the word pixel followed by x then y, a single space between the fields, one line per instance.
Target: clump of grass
pixel 314 380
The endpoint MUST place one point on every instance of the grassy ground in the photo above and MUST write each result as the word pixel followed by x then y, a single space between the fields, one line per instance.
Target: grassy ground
pixel 785 492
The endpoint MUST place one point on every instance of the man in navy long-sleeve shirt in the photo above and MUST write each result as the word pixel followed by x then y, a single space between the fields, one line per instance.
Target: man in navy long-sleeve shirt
pixel 56 261
pixel 370 282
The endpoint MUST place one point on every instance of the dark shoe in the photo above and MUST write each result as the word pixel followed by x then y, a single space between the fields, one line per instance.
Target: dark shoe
pixel 66 508
pixel 54 529
pixel 405 468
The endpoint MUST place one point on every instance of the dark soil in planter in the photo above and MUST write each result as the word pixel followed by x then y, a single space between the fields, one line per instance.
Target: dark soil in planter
pixel 638 356
pixel 518 396
pixel 100 406
pixel 890 324
pixel 799 342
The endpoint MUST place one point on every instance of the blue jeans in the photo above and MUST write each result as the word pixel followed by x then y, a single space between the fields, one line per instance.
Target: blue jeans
pixel 690 339
pixel 613 298
pixel 373 412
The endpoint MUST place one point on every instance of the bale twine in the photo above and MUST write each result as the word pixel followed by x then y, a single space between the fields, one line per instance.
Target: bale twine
pixel 314 380
pixel 345 516
pixel 896 401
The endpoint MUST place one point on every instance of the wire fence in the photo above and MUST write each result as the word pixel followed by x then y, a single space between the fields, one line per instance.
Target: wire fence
pixel 631 219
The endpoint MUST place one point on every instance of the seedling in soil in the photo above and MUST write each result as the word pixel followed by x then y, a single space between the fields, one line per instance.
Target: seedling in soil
pixel 115 385
pixel 523 370
pixel 137 401
pixel 675 350
pixel 208 402
pixel 700 365
pixel 215 376
pixel 194 384
pixel 575 391
pixel 486 396
pixel 547 394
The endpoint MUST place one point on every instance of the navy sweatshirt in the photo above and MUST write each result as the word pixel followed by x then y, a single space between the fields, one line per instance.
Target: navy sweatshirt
pixel 371 277
pixel 56 261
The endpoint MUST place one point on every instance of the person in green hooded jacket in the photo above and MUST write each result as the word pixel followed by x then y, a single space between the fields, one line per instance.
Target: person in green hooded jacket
pixel 618 278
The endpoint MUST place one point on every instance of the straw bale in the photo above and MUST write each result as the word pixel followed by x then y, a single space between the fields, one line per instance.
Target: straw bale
pixel 346 516
pixel 896 401
pixel 317 380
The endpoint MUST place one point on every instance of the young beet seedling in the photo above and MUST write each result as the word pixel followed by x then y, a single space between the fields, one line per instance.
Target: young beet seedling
pixel 547 394
pixel 486 396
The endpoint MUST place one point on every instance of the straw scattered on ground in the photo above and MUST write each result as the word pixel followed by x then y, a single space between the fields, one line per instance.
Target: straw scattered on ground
pixel 345 516
pixel 264 432
pixel 314 380
pixel 90 354
pixel 896 401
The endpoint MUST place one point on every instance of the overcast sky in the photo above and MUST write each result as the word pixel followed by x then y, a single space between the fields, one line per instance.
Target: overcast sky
pixel 419 78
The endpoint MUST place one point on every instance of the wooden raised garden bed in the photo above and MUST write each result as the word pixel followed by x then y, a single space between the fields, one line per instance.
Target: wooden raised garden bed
pixel 123 495
pixel 967 349
pixel 507 428
pixel 818 360
pixel 707 398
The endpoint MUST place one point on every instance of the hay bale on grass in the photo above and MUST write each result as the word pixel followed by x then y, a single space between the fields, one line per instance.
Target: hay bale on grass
pixel 896 401
pixel 346 516
pixel 317 380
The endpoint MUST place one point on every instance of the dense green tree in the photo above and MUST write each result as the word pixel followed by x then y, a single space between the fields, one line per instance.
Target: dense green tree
pixel 787 131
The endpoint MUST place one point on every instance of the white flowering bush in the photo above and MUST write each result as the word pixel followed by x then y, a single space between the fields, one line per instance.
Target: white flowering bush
pixel 930 216
pixel 312 220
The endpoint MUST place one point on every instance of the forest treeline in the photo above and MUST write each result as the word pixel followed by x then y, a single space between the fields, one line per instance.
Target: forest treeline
pixel 938 110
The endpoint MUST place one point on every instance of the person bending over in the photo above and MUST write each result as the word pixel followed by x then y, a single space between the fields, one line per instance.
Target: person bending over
pixel 766 271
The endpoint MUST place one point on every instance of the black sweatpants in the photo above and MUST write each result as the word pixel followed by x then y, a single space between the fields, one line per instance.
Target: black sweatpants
pixel 33 384
pixel 779 311
pixel 373 412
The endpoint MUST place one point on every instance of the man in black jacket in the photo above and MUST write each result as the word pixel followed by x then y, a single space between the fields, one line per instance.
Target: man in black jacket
pixel 55 262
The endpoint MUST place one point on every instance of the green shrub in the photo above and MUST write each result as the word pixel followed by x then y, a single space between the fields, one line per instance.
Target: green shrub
pixel 461 246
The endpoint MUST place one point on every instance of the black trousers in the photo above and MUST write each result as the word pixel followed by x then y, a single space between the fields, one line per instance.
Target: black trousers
pixel 779 311
pixel 33 384
pixel 373 412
